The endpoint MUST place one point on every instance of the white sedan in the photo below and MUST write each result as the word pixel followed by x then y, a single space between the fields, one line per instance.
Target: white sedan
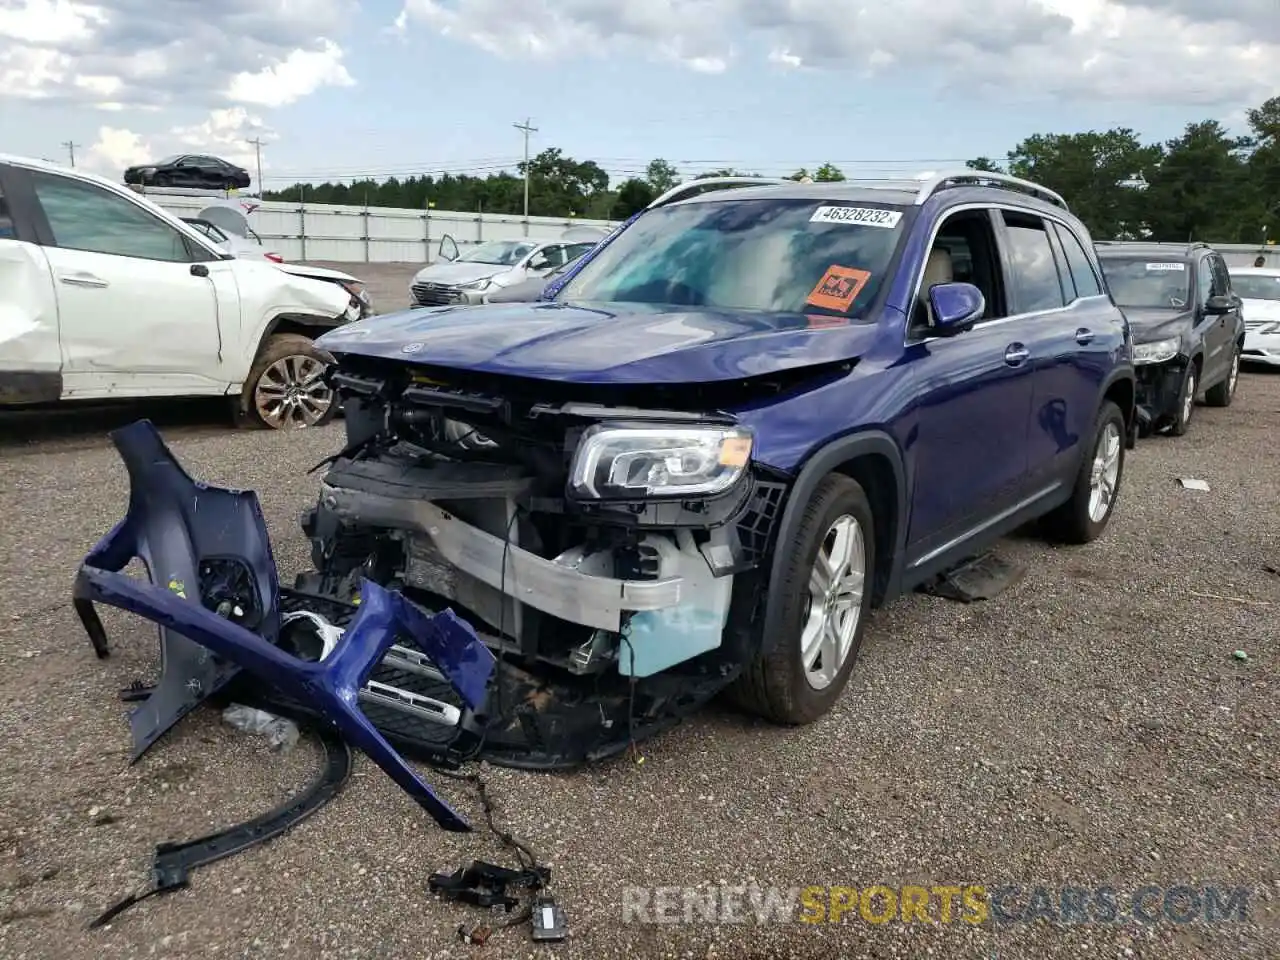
pixel 1259 288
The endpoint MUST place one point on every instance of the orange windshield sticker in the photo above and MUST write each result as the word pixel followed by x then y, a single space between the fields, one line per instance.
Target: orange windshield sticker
pixel 838 288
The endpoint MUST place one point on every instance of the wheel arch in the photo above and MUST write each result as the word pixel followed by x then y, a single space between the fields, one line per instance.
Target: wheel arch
pixel 874 460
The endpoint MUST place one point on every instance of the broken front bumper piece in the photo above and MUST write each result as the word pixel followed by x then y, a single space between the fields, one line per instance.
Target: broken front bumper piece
pixel 219 610
pixel 562 587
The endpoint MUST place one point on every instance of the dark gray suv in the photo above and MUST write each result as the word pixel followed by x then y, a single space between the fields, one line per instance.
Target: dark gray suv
pixel 1188 331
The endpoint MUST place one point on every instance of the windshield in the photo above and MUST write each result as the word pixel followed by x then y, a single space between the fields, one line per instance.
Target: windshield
pixel 505 252
pixel 168 160
pixel 1256 286
pixel 1140 282
pixel 778 256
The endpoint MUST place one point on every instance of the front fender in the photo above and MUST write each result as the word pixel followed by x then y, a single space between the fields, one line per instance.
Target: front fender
pixel 312 303
pixel 825 460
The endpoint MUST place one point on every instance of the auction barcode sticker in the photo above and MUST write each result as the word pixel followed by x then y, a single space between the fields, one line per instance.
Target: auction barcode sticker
pixel 1180 267
pixel 857 216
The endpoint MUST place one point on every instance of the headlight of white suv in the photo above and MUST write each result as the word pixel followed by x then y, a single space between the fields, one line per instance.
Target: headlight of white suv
pixel 482 284
pixel 628 463
pixel 1157 352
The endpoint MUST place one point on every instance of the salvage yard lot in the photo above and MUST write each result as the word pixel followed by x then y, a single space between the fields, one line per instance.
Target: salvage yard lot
pixel 1089 727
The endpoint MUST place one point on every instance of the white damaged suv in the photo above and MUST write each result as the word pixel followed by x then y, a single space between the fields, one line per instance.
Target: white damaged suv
pixel 105 296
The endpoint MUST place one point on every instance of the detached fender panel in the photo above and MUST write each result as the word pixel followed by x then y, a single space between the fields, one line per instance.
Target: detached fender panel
pixel 219 612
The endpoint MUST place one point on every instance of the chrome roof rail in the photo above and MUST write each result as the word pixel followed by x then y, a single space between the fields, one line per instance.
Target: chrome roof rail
pixel 982 178
pixel 693 187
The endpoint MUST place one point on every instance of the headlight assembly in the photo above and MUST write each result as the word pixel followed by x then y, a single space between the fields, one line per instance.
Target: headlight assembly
pixel 629 463
pixel 482 284
pixel 1157 352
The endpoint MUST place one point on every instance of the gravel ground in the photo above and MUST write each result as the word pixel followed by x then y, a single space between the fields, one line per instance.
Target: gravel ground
pixel 1089 727
pixel 387 283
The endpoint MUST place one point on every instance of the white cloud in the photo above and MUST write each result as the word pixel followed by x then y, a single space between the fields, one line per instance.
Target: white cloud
pixel 157 53
pixel 1179 52
pixel 49 21
pixel 298 75
pixel 27 73
pixel 114 150
pixel 224 133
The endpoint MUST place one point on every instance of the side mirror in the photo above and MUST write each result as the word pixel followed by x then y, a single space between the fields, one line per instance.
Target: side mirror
pixel 1216 306
pixel 956 307
pixel 540 263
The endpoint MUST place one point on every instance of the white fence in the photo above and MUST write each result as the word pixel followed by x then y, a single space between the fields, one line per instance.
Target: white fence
pixel 354 234
pixel 1244 254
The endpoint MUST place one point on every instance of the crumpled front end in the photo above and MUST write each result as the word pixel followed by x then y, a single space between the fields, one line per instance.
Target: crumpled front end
pixel 310 296
pixel 607 554
pixel 1159 391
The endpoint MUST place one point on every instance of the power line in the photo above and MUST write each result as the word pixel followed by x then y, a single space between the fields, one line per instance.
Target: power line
pixel 526 129
pixel 71 150
pixel 257 150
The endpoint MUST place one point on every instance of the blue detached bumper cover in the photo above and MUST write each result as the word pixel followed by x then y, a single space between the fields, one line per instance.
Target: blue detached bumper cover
pixel 214 593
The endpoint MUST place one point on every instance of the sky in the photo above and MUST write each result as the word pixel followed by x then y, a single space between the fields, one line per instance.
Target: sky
pixel 340 89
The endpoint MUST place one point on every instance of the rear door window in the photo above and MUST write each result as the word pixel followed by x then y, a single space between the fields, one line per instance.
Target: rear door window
pixel 1034 281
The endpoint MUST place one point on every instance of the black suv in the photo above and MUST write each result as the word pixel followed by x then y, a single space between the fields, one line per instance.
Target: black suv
pixel 1187 327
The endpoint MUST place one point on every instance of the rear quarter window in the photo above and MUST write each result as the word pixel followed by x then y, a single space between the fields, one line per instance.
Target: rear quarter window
pixel 1078 264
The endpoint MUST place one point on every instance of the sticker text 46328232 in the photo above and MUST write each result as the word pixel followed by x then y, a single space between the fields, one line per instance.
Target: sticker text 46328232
pixel 857 216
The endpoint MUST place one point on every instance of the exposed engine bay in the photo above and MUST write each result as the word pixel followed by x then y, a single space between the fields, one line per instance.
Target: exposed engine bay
pixel 606 554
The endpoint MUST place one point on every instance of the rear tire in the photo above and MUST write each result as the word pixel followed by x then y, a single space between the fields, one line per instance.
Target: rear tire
pixel 1093 498
pixel 283 390
pixel 1221 394
pixel 789 685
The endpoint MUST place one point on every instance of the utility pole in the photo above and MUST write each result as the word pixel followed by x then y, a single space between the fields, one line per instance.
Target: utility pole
pixel 526 129
pixel 71 150
pixel 257 149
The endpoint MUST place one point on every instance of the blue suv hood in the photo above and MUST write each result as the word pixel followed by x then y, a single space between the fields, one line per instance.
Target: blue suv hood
pixel 606 343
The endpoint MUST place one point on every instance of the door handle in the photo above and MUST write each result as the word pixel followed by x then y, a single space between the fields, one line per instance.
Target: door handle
pixel 1084 335
pixel 83 280
pixel 1015 355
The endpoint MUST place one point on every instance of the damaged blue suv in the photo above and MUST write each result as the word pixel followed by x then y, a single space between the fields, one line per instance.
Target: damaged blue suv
pixel 752 413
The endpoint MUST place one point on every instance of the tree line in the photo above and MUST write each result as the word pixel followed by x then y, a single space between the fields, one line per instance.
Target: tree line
pixel 1206 184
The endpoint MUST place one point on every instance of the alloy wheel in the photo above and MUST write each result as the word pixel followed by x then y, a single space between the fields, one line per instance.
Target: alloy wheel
pixel 291 395
pixel 836 584
pixel 1105 475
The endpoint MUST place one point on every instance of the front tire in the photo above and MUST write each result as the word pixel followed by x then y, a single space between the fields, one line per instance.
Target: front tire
pixel 825 592
pixel 284 390
pixel 1093 498
pixel 1221 394
pixel 1186 400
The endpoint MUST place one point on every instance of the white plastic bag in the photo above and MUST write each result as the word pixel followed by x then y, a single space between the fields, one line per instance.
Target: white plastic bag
pixel 280 732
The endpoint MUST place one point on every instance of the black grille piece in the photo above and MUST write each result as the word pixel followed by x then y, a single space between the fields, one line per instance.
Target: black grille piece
pixel 756 526
pixel 434 294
